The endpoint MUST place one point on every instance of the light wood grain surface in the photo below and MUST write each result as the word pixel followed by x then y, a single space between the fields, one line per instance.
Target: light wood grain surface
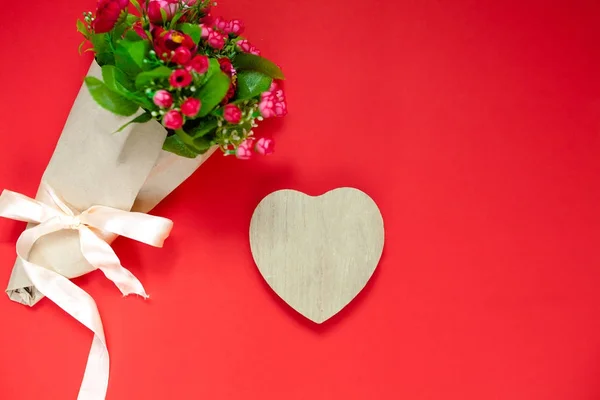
pixel 317 253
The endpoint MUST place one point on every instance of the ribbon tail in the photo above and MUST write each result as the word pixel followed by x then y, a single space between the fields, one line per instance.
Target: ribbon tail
pixel 75 302
pixel 99 254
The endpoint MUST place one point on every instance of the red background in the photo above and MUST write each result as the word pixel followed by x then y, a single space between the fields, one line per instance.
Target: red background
pixel 474 124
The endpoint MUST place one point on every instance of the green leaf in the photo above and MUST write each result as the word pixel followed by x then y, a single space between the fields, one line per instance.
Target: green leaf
pixel 116 80
pixel 204 128
pixel 251 84
pixel 82 28
pixel 164 15
pixel 108 99
pixel 251 62
pixel 118 31
pixel 176 18
pixel 102 49
pixel 213 92
pixel 132 36
pixel 129 56
pixel 140 119
pixel 194 31
pixel 145 78
pixel 202 144
pixel 175 145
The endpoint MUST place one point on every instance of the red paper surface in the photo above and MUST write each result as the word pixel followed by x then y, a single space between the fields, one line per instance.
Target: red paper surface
pixel 475 125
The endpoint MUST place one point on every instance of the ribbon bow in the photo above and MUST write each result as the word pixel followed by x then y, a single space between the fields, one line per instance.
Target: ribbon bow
pixel 91 224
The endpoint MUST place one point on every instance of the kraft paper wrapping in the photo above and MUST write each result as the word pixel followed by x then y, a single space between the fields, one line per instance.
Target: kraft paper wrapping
pixel 92 165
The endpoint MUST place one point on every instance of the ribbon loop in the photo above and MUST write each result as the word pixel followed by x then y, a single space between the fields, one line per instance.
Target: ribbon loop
pixel 59 216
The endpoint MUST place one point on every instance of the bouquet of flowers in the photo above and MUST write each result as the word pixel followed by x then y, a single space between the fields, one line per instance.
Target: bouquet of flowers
pixel 169 86
pixel 196 74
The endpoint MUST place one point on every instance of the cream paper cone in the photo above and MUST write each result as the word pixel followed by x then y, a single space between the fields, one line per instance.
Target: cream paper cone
pixel 92 165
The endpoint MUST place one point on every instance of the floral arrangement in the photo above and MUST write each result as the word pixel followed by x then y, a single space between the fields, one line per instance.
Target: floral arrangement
pixel 195 74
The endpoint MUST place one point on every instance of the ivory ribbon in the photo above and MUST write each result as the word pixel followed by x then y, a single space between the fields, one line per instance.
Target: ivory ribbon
pixel 91 225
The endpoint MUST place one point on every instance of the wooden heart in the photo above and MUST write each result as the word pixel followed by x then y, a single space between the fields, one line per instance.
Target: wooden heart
pixel 317 253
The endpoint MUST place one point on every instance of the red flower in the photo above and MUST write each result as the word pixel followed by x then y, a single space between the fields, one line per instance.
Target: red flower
pixel 226 66
pixel 232 114
pixel 182 55
pixel 108 13
pixel 191 107
pixel 139 29
pixel 199 64
pixel 167 42
pixel 180 78
pixel 172 120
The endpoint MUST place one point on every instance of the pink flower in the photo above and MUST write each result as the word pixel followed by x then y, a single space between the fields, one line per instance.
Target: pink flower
pixel 172 120
pixel 264 146
pixel 163 99
pixel 232 114
pixel 180 78
pixel 182 55
pixel 190 107
pixel 205 31
pixel 107 14
pixel 222 24
pixel 199 64
pixel 272 103
pixel 244 150
pixel 216 40
pixel 154 6
pixel 245 46
pixel 267 106
pixel 236 27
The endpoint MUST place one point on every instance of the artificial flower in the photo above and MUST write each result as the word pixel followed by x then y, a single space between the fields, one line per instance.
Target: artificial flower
pixel 170 7
pixel 244 150
pixel 191 107
pixel 180 78
pixel 264 146
pixel 172 120
pixel 163 99
pixel 199 64
pixel 232 114
pixel 245 46
pixel 107 14
pixel 167 42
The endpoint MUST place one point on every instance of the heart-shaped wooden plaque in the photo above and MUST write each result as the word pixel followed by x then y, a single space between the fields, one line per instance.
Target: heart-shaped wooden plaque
pixel 317 253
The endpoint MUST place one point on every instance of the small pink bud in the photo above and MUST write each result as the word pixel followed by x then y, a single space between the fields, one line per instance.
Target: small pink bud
pixel 191 107
pixel 267 106
pixel 216 40
pixel 222 24
pixel 206 30
pixel 265 146
pixel 232 114
pixel 244 150
pixel 163 99
pixel 245 46
pixel 182 55
pixel 172 120
pixel 236 27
